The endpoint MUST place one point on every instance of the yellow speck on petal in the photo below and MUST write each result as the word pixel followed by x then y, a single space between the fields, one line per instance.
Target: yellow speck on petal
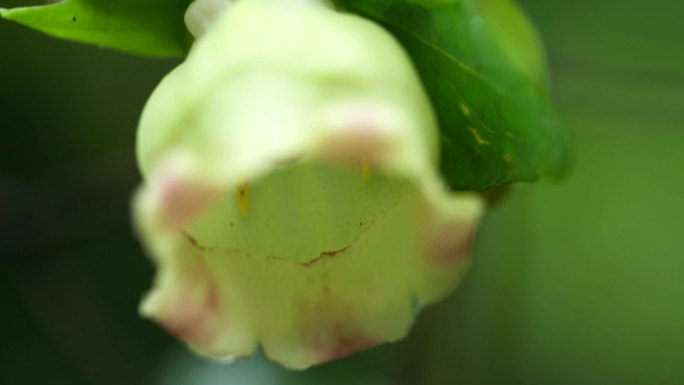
pixel 465 110
pixel 365 170
pixel 480 140
pixel 243 200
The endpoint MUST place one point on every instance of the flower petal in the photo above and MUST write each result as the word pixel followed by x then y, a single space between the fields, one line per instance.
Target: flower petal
pixel 291 203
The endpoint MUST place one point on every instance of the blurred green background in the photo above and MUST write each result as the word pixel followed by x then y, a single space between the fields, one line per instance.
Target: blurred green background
pixel 575 283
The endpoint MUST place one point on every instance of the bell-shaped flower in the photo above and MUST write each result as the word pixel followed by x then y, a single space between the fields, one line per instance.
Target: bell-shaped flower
pixel 291 195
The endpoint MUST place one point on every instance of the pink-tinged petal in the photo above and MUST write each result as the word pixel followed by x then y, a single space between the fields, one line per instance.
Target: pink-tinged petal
pixel 451 246
pixel 295 204
pixel 330 327
pixel 191 309
pixel 182 200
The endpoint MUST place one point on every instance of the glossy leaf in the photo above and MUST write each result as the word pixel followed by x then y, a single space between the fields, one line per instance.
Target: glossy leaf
pixel 145 27
pixel 484 69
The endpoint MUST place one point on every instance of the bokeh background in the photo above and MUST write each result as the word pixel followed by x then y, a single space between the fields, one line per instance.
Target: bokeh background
pixel 580 282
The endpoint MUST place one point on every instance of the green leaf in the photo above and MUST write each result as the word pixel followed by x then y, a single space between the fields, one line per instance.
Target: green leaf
pixel 483 66
pixel 145 27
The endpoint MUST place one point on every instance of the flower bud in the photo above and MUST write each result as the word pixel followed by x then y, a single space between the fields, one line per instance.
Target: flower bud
pixel 291 198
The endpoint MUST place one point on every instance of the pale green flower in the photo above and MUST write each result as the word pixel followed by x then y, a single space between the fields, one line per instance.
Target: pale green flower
pixel 291 197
